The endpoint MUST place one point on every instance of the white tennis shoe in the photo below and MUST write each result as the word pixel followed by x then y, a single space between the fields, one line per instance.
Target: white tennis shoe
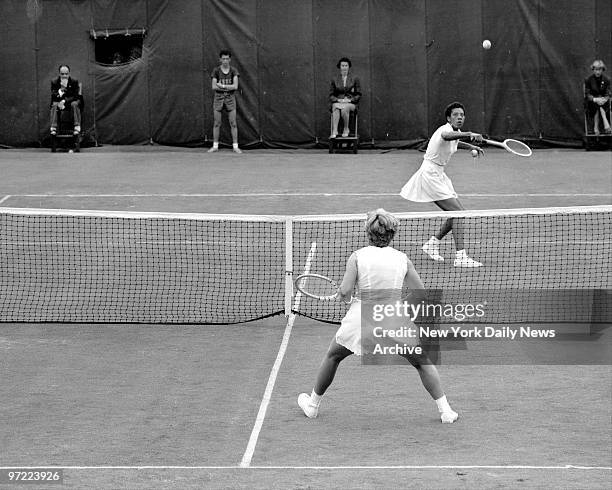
pixel 432 248
pixel 449 417
pixel 310 409
pixel 462 260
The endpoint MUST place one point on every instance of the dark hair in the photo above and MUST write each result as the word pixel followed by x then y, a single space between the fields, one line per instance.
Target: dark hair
pixel 451 106
pixel 344 59
pixel 225 52
pixel 380 225
pixel 61 66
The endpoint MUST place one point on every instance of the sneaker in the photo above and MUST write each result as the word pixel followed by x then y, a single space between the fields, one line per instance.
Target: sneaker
pixel 310 410
pixel 213 150
pixel 462 260
pixel 449 417
pixel 333 135
pixel 77 129
pixel 53 131
pixel 432 248
pixel 237 150
pixel 345 134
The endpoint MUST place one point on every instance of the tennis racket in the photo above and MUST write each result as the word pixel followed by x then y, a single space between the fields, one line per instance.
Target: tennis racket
pixel 513 146
pixel 317 286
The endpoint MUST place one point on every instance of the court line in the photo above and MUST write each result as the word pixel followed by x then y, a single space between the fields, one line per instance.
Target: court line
pixel 5 198
pixel 310 194
pixel 263 407
pixel 306 467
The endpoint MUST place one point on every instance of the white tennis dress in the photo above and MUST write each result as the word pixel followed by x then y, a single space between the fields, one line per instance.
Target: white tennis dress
pixel 430 183
pixel 378 269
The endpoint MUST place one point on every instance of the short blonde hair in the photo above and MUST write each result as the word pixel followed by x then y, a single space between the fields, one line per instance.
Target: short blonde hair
pixel 598 64
pixel 380 225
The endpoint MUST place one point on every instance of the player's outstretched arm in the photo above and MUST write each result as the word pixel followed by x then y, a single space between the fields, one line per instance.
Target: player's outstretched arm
pixel 345 291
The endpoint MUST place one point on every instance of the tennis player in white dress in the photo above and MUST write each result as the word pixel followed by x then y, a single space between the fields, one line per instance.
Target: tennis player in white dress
pixel 431 184
pixel 375 269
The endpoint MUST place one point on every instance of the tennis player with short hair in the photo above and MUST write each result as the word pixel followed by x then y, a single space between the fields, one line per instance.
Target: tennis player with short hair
pixel 431 184
pixel 375 269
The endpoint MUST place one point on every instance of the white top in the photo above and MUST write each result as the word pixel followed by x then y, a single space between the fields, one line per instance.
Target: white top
pixel 439 151
pixel 379 268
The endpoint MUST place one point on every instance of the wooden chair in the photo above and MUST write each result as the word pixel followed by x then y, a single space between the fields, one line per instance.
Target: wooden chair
pixel 597 139
pixel 345 143
pixel 65 127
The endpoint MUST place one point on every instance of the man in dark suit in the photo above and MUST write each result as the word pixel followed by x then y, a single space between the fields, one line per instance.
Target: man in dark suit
pixel 65 93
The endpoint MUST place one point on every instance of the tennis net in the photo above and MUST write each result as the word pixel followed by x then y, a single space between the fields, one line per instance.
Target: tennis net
pixel 111 267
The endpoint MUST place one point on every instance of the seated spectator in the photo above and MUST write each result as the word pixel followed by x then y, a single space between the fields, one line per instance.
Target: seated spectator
pixel 65 94
pixel 344 95
pixel 596 98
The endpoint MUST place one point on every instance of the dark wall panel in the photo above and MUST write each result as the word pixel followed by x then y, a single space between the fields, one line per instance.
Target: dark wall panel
pixel 287 72
pixel 232 24
pixel 121 101
pixel 341 28
pixel 413 58
pixel 117 14
pixel 512 68
pixel 18 78
pixel 562 68
pixel 62 39
pixel 176 74
pixel 398 70
pixel 454 61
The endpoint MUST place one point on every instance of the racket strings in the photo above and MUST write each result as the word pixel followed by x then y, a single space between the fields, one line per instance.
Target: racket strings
pixel 317 286
pixel 518 147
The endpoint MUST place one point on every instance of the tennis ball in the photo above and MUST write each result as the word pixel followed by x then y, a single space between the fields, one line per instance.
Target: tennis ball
pixel 486 44
pixel 474 153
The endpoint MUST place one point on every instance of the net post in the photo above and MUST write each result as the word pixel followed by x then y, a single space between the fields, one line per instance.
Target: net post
pixel 288 265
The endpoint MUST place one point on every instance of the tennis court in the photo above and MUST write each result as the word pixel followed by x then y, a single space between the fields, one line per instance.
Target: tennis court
pixel 189 405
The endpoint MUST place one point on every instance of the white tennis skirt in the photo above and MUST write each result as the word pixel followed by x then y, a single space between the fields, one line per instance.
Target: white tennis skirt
pixel 349 333
pixel 357 339
pixel 429 183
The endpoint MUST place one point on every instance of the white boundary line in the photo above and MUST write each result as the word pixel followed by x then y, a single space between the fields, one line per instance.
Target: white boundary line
pixel 5 198
pixel 263 407
pixel 305 467
pixel 313 194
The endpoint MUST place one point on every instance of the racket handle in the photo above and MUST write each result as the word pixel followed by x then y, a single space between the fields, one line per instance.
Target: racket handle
pixel 494 143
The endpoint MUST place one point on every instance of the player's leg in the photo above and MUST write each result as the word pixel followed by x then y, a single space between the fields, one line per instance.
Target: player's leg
pixel 335 119
pixel 591 109
pixel 76 116
pixel 461 257
pixel 216 130
pixel 604 118
pixel 346 116
pixel 431 381
pixel 53 118
pixel 432 246
pixel 327 371
pixel 234 130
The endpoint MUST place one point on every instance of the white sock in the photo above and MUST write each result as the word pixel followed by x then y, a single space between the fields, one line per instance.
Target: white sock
pixel 315 399
pixel 461 253
pixel 443 405
pixel 434 240
pixel 235 145
pixel 215 144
